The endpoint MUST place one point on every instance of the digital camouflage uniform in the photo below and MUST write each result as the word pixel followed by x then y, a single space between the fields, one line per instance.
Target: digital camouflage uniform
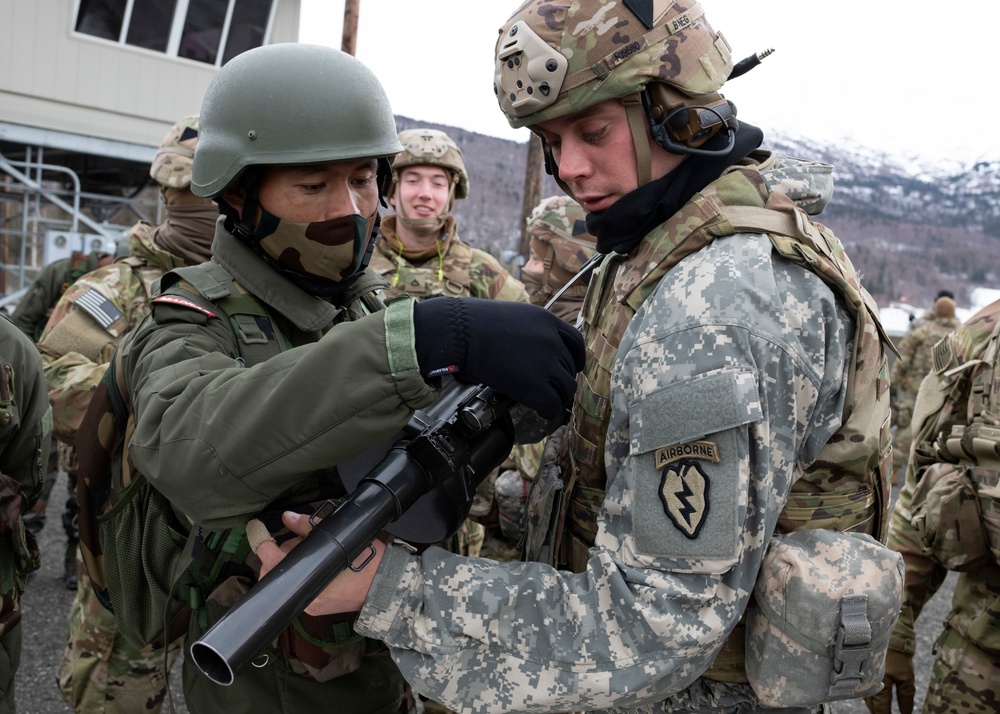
pixel 916 353
pixel 769 399
pixel 25 432
pixel 100 672
pixel 948 431
pixel 735 389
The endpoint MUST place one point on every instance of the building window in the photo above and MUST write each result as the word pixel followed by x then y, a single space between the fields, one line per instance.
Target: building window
pixel 209 31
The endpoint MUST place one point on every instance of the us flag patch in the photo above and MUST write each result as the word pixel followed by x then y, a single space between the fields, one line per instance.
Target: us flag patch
pixel 99 308
pixel 174 300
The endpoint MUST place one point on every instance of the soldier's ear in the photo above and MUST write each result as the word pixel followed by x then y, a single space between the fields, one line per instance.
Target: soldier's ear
pixel 235 196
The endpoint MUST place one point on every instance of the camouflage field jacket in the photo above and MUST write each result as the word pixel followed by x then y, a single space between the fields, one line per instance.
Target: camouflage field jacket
pixel 460 271
pixel 736 365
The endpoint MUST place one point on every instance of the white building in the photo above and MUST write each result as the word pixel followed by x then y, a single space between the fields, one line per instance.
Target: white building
pixel 88 88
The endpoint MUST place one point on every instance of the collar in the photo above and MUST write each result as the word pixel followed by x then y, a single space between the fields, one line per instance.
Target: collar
pixel 307 312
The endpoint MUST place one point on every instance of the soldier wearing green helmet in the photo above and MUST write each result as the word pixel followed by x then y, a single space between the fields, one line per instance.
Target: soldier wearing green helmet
pixel 418 250
pixel 258 372
pixel 709 534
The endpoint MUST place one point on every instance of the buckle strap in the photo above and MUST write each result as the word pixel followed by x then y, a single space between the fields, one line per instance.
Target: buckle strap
pixel 854 646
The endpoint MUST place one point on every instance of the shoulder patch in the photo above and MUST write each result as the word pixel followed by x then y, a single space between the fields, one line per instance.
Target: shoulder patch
pixel 98 307
pixel 181 302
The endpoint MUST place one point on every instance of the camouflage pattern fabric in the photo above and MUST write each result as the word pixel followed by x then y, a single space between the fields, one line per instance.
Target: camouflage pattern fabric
pixel 968 652
pixel 681 50
pixel 100 672
pixel 25 436
pixel 34 309
pixel 762 380
pixel 916 359
pixel 459 271
pixel 175 158
pixel 87 322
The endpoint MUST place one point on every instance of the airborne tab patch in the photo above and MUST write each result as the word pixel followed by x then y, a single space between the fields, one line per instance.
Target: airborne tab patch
pixel 702 450
pixel 174 300
pixel 684 494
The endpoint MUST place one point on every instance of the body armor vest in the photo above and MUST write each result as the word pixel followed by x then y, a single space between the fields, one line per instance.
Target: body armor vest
pixel 445 275
pixel 846 487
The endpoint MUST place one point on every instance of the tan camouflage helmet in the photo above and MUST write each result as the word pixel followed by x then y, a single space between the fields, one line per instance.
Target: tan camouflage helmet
pixel 558 57
pixel 172 164
pixel 555 57
pixel 430 147
pixel 559 222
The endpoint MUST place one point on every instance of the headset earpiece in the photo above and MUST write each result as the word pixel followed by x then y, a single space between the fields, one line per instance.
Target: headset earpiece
pixel 682 125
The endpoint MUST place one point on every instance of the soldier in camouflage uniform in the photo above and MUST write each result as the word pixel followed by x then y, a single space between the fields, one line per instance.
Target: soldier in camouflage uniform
pixel 418 250
pixel 560 246
pixel 25 432
pixel 947 517
pixel 30 316
pixel 223 436
pixel 100 671
pixel 735 395
pixel 916 352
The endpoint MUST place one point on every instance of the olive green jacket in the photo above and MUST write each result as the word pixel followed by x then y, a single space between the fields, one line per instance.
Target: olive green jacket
pixel 221 440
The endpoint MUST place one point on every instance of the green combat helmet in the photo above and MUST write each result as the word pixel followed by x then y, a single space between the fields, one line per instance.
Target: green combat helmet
pixel 430 147
pixel 172 165
pixel 663 60
pixel 310 104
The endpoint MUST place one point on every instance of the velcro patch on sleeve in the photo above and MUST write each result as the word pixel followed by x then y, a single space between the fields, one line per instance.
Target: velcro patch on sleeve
pixel 689 462
pixel 181 302
pixel 99 308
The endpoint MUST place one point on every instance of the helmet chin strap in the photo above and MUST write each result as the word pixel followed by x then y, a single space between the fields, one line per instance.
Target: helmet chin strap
pixel 430 225
pixel 640 139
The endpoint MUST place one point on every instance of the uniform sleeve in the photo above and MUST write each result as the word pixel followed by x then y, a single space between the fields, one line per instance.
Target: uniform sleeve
pixel 489 280
pixel 33 310
pixel 80 338
pixel 221 440
pixel 26 434
pixel 713 412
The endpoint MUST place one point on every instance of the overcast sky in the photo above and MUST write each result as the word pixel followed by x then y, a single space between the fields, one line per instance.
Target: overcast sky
pixel 914 78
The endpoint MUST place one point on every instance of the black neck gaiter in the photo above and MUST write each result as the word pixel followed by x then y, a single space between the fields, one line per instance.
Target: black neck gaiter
pixel 621 227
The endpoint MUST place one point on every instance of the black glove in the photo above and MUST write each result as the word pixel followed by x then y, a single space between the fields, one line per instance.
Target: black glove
pixel 520 350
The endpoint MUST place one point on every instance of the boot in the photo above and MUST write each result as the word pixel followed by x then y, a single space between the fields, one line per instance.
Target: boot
pixel 69 572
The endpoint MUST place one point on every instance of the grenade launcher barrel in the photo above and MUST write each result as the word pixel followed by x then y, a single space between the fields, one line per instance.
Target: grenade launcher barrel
pixel 452 446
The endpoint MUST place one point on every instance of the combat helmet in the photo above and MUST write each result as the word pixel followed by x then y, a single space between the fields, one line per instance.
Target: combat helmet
pixel 172 164
pixel 309 104
pixel 430 147
pixel 558 230
pixel 663 60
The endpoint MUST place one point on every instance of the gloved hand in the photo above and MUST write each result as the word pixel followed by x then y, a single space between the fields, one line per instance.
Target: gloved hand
pixel 520 350
pixel 898 674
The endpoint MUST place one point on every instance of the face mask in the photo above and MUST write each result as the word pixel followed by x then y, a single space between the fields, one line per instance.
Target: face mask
pixel 332 250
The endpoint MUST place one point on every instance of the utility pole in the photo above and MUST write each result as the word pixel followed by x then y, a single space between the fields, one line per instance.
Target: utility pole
pixel 349 41
pixel 532 189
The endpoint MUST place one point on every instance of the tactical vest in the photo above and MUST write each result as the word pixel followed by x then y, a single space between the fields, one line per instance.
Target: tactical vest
pixel 846 487
pixel 973 439
pixel 448 275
